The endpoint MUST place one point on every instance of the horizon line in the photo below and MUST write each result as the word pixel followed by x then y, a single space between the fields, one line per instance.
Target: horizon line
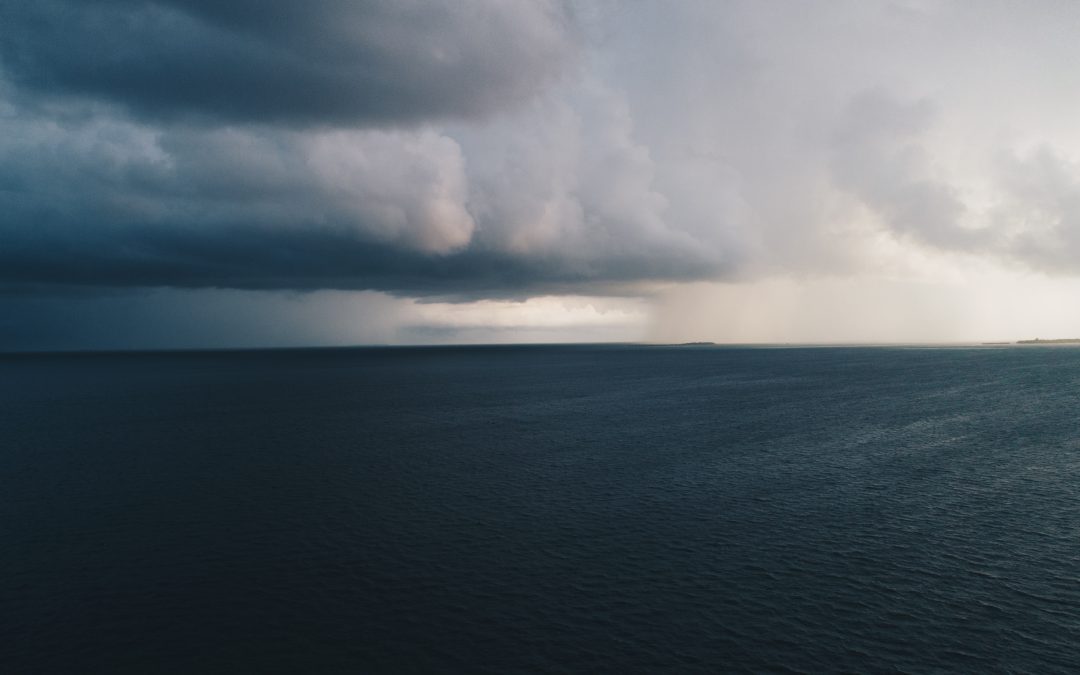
pixel 476 345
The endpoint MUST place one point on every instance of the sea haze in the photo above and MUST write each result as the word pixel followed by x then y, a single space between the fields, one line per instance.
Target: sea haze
pixel 528 509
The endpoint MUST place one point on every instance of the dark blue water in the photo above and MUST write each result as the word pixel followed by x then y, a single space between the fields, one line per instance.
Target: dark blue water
pixel 568 509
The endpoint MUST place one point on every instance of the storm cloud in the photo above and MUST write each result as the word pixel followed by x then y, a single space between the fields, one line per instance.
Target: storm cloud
pixel 319 62
pixel 256 208
pixel 258 145
pixel 494 149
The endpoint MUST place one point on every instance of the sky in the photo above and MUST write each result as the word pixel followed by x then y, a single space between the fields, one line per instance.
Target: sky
pixel 258 173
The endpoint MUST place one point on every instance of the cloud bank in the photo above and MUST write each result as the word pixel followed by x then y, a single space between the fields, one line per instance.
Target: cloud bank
pixel 275 61
pixel 494 149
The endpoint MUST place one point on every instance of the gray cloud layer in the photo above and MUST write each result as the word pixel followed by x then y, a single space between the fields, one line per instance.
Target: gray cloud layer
pixel 279 61
pixel 120 205
pixel 285 146
pixel 505 148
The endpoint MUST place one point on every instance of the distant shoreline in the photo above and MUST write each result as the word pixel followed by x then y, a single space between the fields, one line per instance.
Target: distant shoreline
pixel 1060 341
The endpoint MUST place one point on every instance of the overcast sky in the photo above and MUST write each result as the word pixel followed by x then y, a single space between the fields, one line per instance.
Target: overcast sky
pixel 182 173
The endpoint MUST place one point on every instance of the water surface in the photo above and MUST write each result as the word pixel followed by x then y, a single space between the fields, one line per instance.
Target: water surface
pixel 523 509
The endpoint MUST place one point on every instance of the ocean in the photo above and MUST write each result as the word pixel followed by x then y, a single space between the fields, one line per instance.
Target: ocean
pixel 594 508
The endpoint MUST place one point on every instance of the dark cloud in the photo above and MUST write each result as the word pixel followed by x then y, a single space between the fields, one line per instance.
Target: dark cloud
pixel 242 257
pixel 108 203
pixel 509 148
pixel 314 62
pixel 337 186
